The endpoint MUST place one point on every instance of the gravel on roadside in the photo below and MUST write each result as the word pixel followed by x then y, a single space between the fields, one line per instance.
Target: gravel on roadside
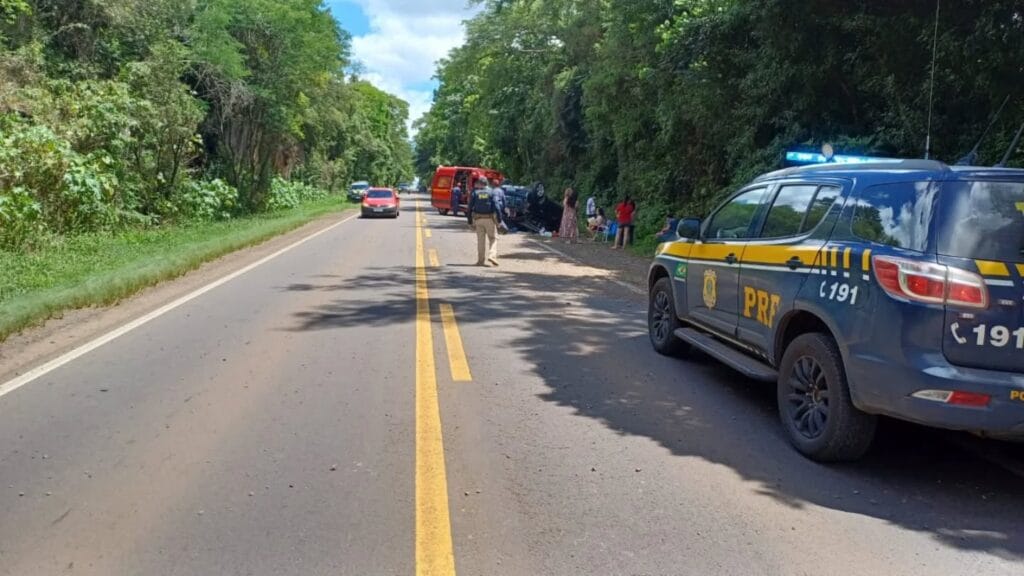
pixel 622 265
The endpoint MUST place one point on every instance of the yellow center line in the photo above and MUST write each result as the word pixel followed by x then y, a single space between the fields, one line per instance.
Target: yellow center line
pixel 434 555
pixel 426 232
pixel 453 340
pixel 434 262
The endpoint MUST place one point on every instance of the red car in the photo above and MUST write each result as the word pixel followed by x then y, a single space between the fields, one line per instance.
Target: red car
pixel 380 202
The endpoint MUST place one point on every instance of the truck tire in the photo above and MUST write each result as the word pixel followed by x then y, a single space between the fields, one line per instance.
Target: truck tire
pixel 662 320
pixel 814 402
pixel 442 211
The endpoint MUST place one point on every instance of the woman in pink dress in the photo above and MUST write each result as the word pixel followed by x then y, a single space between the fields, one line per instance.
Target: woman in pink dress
pixel 569 230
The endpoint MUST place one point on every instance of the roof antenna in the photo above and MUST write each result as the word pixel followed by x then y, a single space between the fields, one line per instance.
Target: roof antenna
pixel 931 84
pixel 1011 149
pixel 972 156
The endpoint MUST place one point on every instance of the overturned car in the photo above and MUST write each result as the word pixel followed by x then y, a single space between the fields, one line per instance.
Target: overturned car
pixel 530 208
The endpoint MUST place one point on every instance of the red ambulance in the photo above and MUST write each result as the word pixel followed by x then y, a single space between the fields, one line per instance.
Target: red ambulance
pixel 446 176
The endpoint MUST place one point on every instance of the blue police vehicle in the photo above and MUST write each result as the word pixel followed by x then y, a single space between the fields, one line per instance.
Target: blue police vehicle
pixel 860 290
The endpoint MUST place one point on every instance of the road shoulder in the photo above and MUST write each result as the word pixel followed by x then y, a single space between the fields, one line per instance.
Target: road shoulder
pixel 72 328
pixel 623 267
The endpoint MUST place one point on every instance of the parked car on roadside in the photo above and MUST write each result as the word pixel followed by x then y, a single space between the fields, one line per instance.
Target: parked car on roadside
pixel 892 289
pixel 357 190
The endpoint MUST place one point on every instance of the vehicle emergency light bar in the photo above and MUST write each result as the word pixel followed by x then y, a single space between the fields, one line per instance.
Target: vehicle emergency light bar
pixel 819 158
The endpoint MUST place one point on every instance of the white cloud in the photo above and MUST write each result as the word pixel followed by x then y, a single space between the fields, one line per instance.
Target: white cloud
pixel 406 39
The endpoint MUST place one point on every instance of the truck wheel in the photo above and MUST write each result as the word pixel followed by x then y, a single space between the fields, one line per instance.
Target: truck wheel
pixel 814 402
pixel 662 320
pixel 442 211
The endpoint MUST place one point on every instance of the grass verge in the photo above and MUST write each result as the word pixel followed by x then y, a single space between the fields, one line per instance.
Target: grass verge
pixel 98 269
pixel 645 246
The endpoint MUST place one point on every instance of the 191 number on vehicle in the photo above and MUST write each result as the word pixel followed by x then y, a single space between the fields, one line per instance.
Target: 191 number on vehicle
pixel 985 335
pixel 839 292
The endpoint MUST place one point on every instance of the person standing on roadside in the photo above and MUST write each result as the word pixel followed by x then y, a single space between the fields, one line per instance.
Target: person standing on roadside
pixel 624 214
pixel 591 208
pixel 570 229
pixel 456 199
pixel 484 214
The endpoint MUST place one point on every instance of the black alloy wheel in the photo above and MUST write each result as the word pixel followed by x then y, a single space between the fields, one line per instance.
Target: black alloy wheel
pixel 815 404
pixel 662 321
pixel 808 397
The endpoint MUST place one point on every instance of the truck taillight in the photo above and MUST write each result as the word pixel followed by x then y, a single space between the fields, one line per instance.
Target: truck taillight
pixel 929 282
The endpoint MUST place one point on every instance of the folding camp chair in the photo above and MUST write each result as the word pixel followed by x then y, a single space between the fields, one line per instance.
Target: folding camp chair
pixel 609 230
pixel 600 233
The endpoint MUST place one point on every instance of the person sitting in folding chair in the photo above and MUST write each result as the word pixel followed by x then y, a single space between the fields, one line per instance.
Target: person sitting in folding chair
pixel 611 229
pixel 598 225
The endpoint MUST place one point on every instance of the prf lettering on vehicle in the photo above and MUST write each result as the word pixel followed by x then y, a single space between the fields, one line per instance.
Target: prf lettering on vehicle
pixel 767 305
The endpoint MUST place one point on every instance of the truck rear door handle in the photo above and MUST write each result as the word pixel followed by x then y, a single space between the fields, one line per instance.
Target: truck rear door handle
pixel 731 258
pixel 794 262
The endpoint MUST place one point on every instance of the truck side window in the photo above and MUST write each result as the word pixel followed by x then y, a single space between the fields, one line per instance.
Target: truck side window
pixel 786 216
pixel 732 221
pixel 823 200
pixel 895 214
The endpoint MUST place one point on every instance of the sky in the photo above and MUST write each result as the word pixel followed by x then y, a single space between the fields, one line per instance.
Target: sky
pixel 398 42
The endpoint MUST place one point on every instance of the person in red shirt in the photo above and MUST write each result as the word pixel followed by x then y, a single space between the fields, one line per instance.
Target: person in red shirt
pixel 624 213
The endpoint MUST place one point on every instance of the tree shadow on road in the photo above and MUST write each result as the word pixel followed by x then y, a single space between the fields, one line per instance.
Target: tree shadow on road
pixel 586 340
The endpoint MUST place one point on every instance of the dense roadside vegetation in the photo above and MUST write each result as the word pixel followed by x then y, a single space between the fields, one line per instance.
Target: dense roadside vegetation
pixel 678 101
pixel 128 114
pixel 139 138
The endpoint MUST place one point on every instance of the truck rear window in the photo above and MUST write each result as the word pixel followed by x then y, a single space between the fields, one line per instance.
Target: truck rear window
pixel 984 220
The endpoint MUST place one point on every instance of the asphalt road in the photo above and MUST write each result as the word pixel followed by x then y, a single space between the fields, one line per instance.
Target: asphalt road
pixel 286 422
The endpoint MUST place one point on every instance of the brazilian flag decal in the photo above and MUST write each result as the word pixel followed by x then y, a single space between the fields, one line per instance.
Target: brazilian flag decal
pixel 681 270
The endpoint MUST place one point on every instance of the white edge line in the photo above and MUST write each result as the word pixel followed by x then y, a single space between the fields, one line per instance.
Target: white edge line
pixel 19 381
pixel 629 287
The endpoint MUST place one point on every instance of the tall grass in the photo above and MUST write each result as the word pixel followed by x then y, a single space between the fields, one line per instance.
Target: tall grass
pixel 98 269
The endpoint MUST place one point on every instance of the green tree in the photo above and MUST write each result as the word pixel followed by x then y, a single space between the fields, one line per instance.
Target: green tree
pixel 126 112
pixel 677 102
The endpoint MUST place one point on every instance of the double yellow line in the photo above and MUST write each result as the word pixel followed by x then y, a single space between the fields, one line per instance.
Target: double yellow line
pixel 434 556
pixel 434 552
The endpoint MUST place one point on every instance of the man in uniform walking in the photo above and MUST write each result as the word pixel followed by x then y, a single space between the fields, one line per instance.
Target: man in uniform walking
pixel 484 215
pixel 456 199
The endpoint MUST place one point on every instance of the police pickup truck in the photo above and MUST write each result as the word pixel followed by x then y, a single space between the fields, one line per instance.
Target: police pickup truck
pixel 892 289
